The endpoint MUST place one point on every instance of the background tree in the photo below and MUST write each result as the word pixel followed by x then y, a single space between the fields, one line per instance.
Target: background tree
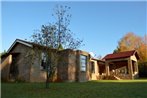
pixel 57 36
pixel 133 42
pixel 2 53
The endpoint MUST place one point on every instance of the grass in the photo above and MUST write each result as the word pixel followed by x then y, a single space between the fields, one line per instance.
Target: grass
pixel 93 89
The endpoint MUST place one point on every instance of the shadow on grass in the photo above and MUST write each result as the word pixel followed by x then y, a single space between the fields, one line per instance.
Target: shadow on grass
pixel 120 81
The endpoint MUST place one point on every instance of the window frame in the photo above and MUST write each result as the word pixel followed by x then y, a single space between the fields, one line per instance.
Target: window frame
pixel 83 63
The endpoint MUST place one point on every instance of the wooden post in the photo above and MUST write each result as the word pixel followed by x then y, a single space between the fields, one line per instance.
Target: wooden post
pixel 107 69
pixel 137 71
pixel 136 67
pixel 130 68
pixel 97 68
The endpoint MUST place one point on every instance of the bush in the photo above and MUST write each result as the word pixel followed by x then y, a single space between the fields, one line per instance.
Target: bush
pixel 142 69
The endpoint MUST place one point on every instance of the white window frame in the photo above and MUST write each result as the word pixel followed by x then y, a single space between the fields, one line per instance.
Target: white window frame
pixel 83 62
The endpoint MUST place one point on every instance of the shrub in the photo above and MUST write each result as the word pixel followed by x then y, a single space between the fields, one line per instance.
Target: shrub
pixel 142 69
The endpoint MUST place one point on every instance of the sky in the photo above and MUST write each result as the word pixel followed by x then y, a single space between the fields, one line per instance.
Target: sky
pixel 99 24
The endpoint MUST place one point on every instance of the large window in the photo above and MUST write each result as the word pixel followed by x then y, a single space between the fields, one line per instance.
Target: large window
pixel 83 62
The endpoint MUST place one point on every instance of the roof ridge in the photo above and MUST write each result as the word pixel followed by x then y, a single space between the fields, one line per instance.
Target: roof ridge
pixel 20 41
pixel 24 41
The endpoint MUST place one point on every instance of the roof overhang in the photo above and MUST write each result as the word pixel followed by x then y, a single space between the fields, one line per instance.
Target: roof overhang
pixel 21 42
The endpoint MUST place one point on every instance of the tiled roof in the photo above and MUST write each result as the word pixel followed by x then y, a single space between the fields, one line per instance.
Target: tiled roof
pixel 121 55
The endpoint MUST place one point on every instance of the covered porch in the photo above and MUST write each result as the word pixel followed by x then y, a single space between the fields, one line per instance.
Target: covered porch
pixel 122 65
pixel 122 68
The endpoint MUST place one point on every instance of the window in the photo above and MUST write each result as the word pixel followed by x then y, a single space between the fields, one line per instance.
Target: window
pixel 43 61
pixel 83 62
pixel 92 67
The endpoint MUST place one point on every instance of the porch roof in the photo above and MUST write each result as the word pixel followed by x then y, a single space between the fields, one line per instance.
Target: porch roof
pixel 121 55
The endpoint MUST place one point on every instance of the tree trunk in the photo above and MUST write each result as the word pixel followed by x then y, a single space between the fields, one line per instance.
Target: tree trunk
pixel 47 79
pixel 47 82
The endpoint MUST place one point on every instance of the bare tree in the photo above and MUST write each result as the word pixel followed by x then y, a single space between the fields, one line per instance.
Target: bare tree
pixel 56 36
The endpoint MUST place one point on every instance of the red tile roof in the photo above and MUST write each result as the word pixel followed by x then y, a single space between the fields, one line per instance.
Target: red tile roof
pixel 121 55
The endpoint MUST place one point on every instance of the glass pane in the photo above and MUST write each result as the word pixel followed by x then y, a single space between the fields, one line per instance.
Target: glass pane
pixel 83 63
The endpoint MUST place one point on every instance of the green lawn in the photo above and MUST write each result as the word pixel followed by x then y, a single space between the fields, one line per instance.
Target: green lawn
pixel 93 89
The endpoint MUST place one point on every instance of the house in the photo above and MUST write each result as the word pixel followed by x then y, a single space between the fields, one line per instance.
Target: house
pixel 24 61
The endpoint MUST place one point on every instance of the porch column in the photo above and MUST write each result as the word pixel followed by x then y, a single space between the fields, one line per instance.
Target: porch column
pixel 136 67
pixel 107 69
pixel 130 68
pixel 98 70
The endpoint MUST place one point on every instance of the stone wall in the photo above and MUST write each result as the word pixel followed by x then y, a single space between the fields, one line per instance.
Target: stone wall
pixel 5 67
pixel 23 61
pixel 69 66
pixel 95 74
pixel 83 76
pixel 62 67
pixel 37 74
pixel 72 66
pixel 67 61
